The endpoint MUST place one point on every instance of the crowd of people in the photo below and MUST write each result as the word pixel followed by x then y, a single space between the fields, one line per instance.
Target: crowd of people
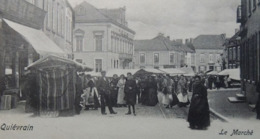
pixel 216 81
pixel 149 90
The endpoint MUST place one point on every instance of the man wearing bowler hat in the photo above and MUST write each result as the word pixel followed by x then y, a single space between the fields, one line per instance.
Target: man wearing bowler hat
pixel 104 91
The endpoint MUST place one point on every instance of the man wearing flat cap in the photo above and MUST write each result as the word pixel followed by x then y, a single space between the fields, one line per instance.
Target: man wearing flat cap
pixel 104 91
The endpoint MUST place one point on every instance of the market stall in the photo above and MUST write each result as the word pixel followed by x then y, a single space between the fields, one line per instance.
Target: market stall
pixel 233 73
pixel 56 84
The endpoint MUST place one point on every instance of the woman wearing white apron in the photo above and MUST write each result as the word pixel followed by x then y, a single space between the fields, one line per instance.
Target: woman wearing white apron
pixel 182 93
pixel 121 94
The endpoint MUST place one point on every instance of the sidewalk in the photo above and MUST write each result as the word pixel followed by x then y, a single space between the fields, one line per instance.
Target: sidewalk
pixel 218 102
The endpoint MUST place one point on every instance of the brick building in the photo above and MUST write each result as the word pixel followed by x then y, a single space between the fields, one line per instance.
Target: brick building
pixel 231 53
pixel 102 38
pixel 248 15
pixel 31 29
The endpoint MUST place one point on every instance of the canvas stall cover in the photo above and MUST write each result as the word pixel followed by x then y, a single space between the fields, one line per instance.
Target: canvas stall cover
pixel 56 89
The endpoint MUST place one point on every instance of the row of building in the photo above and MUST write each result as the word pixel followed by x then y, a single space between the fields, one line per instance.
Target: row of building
pixel 99 38
pixel 103 40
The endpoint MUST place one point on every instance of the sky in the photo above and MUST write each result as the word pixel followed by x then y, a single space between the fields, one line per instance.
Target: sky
pixel 179 19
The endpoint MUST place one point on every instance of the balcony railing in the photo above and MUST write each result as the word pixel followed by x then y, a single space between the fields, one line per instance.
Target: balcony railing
pixel 239 14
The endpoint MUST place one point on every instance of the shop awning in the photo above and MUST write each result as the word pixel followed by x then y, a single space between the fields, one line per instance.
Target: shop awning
pixel 233 73
pixel 212 73
pixel 39 41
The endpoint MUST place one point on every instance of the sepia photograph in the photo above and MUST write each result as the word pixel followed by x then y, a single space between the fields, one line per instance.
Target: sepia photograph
pixel 129 69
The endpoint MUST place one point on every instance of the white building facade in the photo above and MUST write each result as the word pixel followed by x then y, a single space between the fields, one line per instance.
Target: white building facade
pixel 102 39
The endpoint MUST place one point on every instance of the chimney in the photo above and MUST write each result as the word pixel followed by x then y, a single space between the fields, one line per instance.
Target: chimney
pixel 186 41
pixel 223 36
pixel 160 34
pixel 236 30
pixel 191 40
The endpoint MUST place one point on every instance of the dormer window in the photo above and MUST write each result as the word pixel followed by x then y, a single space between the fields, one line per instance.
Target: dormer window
pixel 81 11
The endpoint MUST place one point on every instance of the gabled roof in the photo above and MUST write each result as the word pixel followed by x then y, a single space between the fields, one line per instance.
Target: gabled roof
pixel 159 43
pixel 94 15
pixel 91 13
pixel 209 42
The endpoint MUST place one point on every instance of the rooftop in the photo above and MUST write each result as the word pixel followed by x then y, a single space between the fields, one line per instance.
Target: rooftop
pixel 87 13
pixel 209 41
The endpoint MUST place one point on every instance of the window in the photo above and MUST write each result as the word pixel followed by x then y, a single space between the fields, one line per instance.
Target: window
pixel 156 58
pixel 234 53
pixel 54 16
pixel 98 42
pixel 79 44
pixel 218 58
pixel 79 60
pixel 249 7
pixel 142 58
pixel 202 58
pixel 112 44
pixel 81 11
pixel 172 58
pixel 192 58
pixel 58 19
pixel 238 53
pixel 62 21
pixel 230 54
pixel 211 58
pixel 98 65
pixel 50 14
pixel 254 4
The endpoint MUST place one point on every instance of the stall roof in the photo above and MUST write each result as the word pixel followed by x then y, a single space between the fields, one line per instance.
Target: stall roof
pixel 111 72
pixel 212 73
pixel 119 72
pixel 188 71
pixel 154 71
pixel 39 41
pixel 172 71
pixel 43 62
pixel 233 73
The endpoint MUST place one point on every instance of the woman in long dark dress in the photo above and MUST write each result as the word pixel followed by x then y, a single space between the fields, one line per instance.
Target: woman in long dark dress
pixel 152 92
pixel 198 116
pixel 130 93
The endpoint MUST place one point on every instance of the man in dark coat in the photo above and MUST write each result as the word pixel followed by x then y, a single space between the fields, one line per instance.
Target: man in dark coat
pixel 114 90
pixel 130 93
pixel 198 116
pixel 79 91
pixel 104 91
